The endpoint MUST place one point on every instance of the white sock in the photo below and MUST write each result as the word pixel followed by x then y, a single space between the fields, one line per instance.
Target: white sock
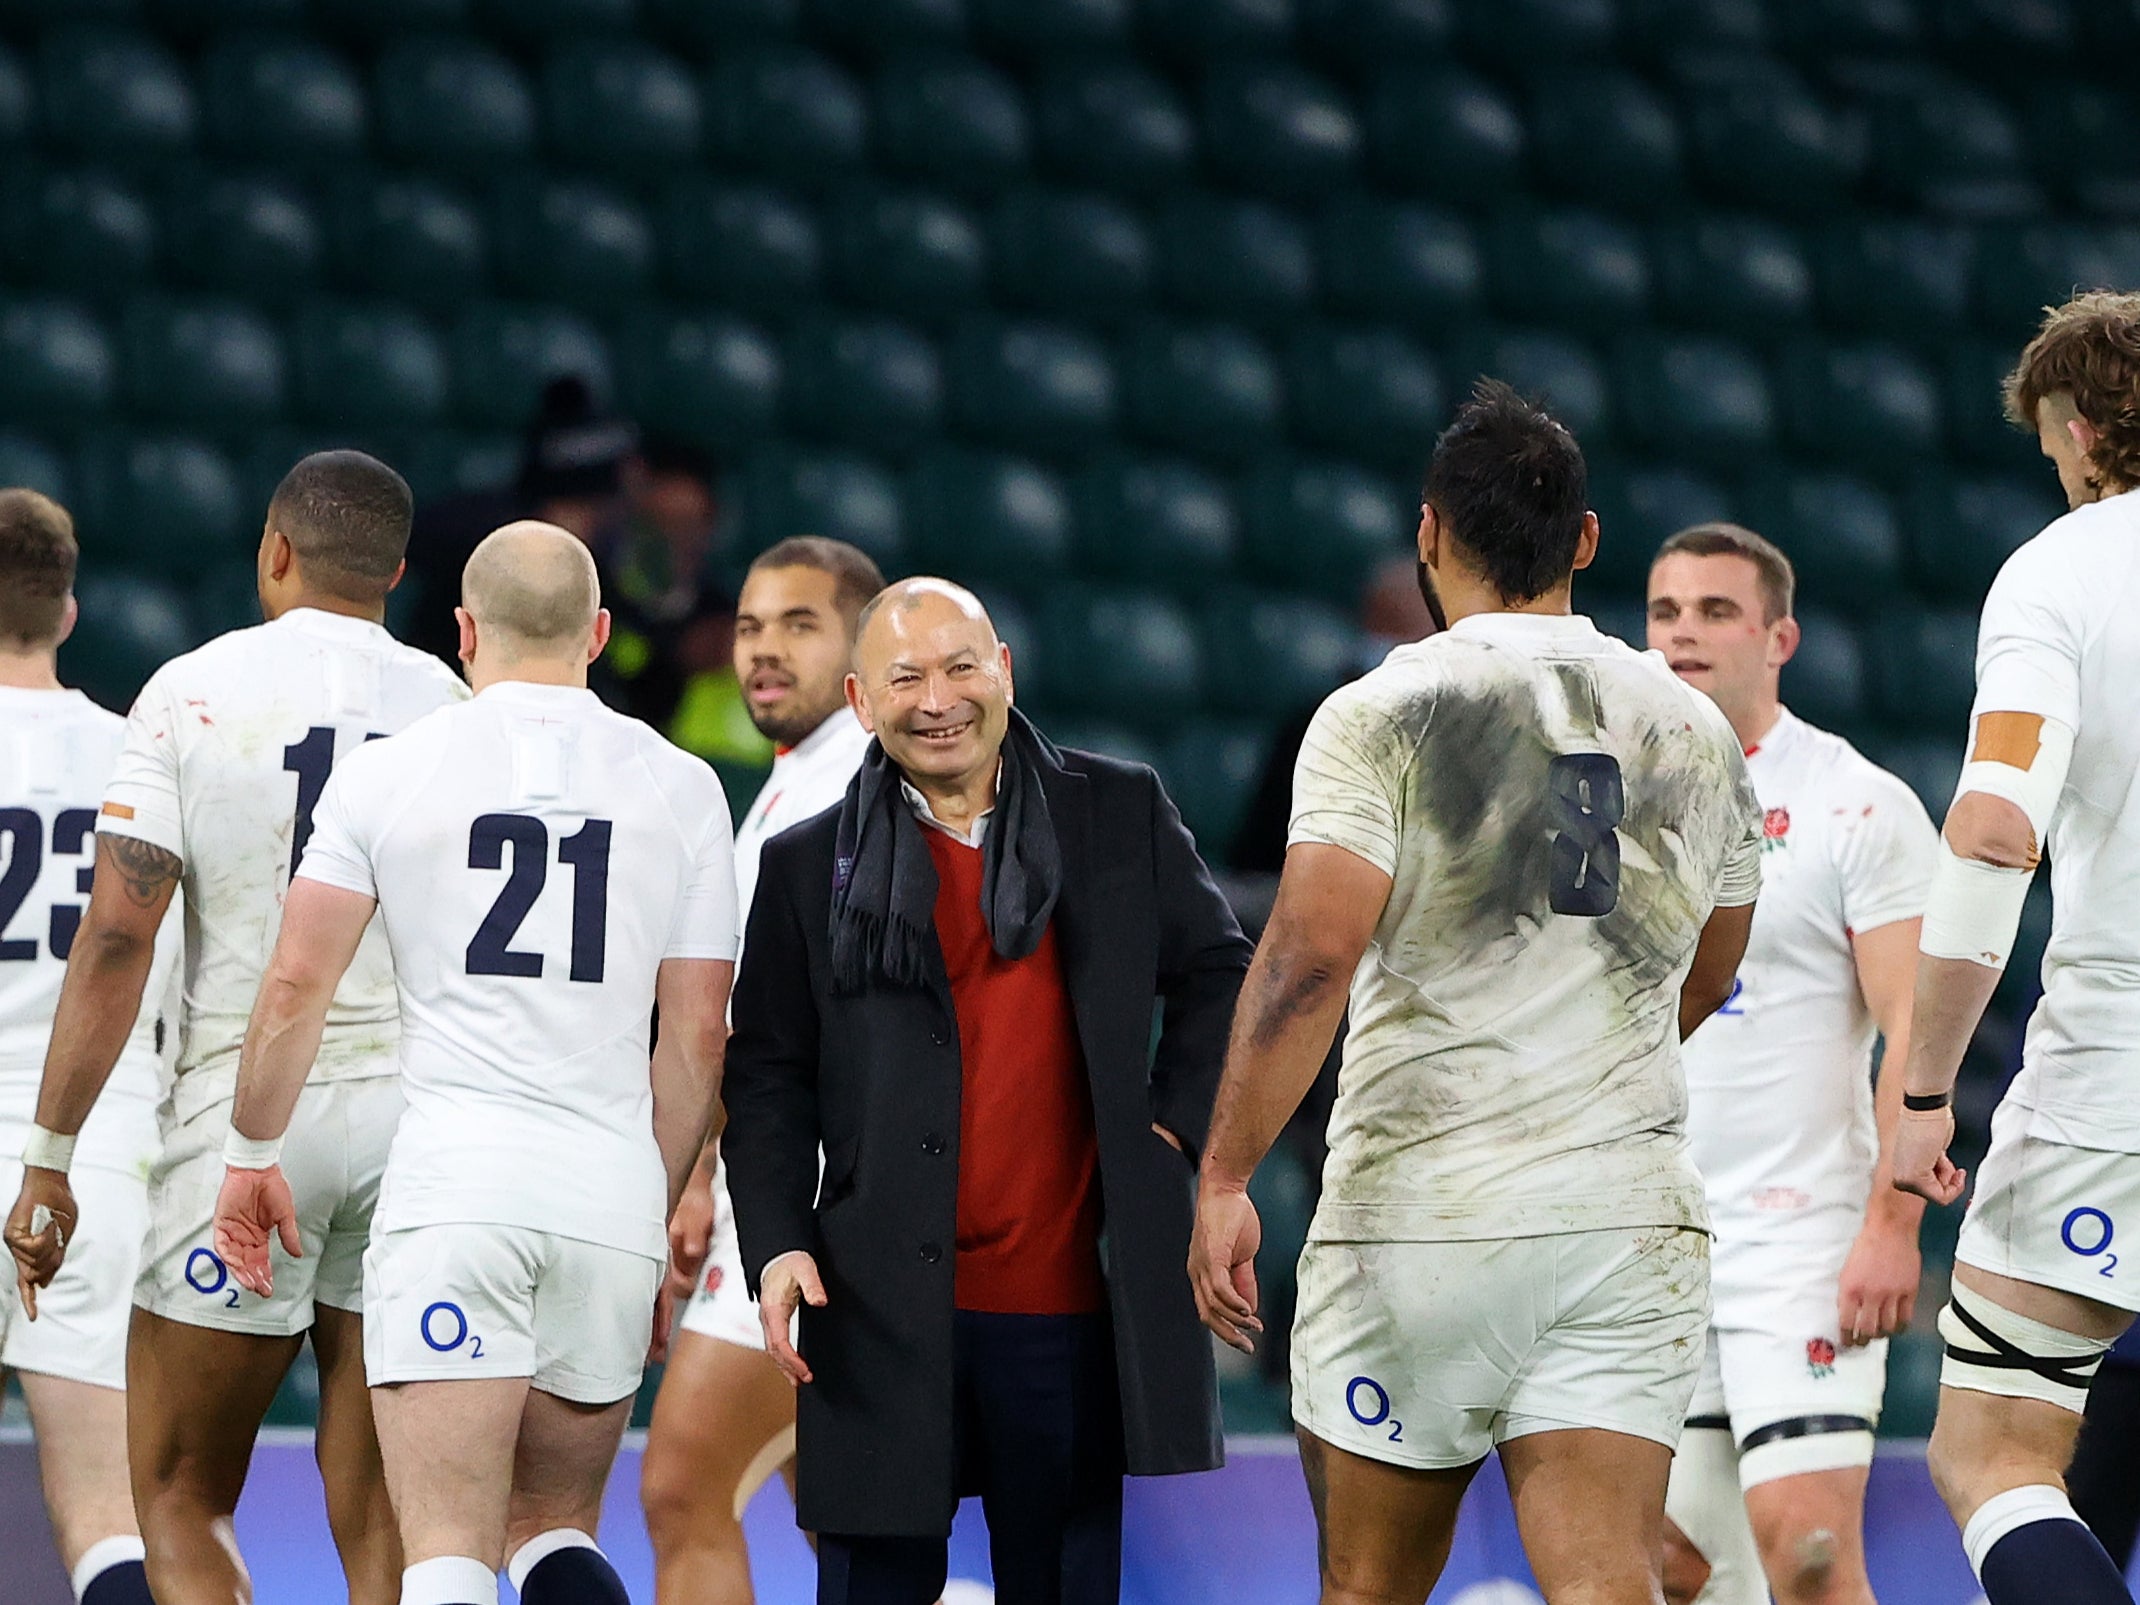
pixel 539 1549
pixel 2002 1513
pixel 100 1557
pixel 449 1580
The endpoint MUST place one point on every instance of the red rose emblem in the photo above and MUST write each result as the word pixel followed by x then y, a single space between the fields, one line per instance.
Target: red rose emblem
pixel 1820 1356
pixel 713 1279
pixel 1776 824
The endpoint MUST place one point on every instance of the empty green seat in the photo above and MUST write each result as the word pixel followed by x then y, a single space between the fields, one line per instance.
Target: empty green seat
pixel 1840 532
pixel 1155 520
pixel 789 492
pixel 1931 766
pixel 1198 30
pixel 746 245
pixel 2003 33
pixel 1367 392
pixel 1372 33
pixel 1113 125
pixel 1414 265
pixel 1861 403
pixel 167 504
pixel 1733 273
pixel 1439 131
pixel 80 231
pixel 130 627
pixel 1236 259
pixel 1557 372
pixel 18 101
pixel 905 251
pixel 1206 388
pixel 408 237
pixel 1046 30
pixel 505 352
pixel 107 92
pixel 1840 25
pixel 618 103
pixel 988 515
pixel 1109 740
pixel 28 460
pixel 1701 399
pixel 391 19
pixel 1973 393
pixel 56 361
pixel 1962 530
pixel 1056 251
pixel 708 27
pixel 1907 278
pixel 1017 629
pixel 1278 130
pixel 1923 664
pixel 704 377
pixel 1275 655
pixel 1039 387
pixel 1522 31
pixel 1211 769
pixel 950 120
pixel 1135 655
pixel 1321 527
pixel 282 100
pixel 879 25
pixel 864 382
pixel 1580 269
pixel 1825 679
pixel 1772 144
pixel 571 241
pixel 452 102
pixel 257 238
pixel 1638 509
pixel 368 364
pixel 2023 270
pixel 1664 28
pixel 1951 147
pixel 784 111
pixel 1606 138
pixel 2096 132
pixel 203 363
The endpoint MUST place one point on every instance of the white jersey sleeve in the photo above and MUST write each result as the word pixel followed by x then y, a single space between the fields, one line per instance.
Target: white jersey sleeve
pixel 2030 641
pixel 1348 780
pixel 1739 883
pixel 1885 846
pixel 142 798
pixel 706 913
pixel 339 853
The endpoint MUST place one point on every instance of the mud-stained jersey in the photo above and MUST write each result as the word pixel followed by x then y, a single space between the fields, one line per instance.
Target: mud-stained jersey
pixel 1559 815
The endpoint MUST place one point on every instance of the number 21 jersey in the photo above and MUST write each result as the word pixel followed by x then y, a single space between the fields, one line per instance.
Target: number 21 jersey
pixel 1559 815
pixel 226 750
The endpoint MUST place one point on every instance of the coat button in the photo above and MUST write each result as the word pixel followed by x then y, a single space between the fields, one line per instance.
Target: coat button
pixel 937 1036
pixel 932 1144
pixel 931 1253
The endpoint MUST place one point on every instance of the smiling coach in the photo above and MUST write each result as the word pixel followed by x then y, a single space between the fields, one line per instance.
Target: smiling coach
pixel 950 986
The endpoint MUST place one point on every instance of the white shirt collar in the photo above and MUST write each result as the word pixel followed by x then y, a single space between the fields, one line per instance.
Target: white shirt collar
pixel 1527 628
pixel 920 805
pixel 836 729
pixel 333 626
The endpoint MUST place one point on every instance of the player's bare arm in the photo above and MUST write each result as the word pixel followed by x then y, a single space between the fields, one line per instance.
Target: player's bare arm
pixel 98 1002
pixel 1717 956
pixel 1878 1292
pixel 1329 903
pixel 692 998
pixel 321 927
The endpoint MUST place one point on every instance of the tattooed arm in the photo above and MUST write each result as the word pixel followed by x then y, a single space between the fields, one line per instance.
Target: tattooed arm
pixel 106 972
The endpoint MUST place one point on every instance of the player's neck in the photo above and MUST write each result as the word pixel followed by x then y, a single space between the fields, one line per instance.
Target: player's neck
pixel 30 671
pixel 320 602
pixel 1461 599
pixel 1755 722
pixel 526 671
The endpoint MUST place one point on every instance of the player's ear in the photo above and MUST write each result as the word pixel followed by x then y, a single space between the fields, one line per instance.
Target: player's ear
pixel 1430 535
pixel 600 638
pixel 400 569
pixel 465 622
pixel 279 554
pixel 1586 541
pixel 1784 636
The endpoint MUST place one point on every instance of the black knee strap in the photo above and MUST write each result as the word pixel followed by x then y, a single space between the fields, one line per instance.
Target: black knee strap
pixel 2005 1356
pixel 1802 1427
pixel 1713 1423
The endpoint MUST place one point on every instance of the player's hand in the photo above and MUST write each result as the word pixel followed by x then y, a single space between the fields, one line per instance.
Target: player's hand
pixel 1921 1163
pixel 39 1228
pixel 1878 1291
pixel 785 1285
pixel 1222 1264
pixel 254 1207
pixel 690 1236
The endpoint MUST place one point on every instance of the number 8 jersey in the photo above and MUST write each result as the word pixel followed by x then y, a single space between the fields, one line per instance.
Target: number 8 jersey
pixel 535 857
pixel 1559 815
pixel 226 750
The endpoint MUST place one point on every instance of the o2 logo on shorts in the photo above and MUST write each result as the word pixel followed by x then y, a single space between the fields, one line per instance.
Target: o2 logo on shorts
pixel 1369 1403
pixel 208 1276
pixel 2087 1231
pixel 444 1327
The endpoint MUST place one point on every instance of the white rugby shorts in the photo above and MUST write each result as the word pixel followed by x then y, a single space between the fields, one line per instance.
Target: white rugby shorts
pixel 80 1331
pixel 2056 1215
pixel 1430 1354
pixel 465 1300
pixel 721 1306
pixel 332 1157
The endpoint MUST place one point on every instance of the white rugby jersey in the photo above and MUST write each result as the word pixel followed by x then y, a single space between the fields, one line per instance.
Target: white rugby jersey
pixel 535 857
pixel 2061 637
pixel 1779 1081
pixel 1559 815
pixel 226 751
pixel 56 752
pixel 807 779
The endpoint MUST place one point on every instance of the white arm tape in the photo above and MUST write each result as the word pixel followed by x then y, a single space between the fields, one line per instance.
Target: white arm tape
pixel 2033 790
pixel 1973 909
pixel 241 1152
pixel 47 1150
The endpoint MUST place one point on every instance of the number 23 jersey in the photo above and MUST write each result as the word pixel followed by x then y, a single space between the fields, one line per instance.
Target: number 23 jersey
pixel 535 856
pixel 1559 815
pixel 226 750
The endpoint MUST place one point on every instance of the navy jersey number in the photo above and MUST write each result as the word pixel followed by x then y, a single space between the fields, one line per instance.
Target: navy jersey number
pixel 309 760
pixel 1588 802
pixel 585 852
pixel 24 830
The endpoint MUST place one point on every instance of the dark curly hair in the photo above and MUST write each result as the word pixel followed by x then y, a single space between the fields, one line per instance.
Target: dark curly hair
pixel 1511 486
pixel 2089 348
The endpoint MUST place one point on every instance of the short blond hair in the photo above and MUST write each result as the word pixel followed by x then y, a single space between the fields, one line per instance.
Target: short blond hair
pixel 1777 579
pixel 533 583
pixel 38 555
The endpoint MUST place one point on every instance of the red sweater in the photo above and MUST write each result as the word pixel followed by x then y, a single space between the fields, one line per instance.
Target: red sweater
pixel 1029 1194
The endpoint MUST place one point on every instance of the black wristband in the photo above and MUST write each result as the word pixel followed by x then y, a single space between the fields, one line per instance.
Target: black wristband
pixel 1920 1102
